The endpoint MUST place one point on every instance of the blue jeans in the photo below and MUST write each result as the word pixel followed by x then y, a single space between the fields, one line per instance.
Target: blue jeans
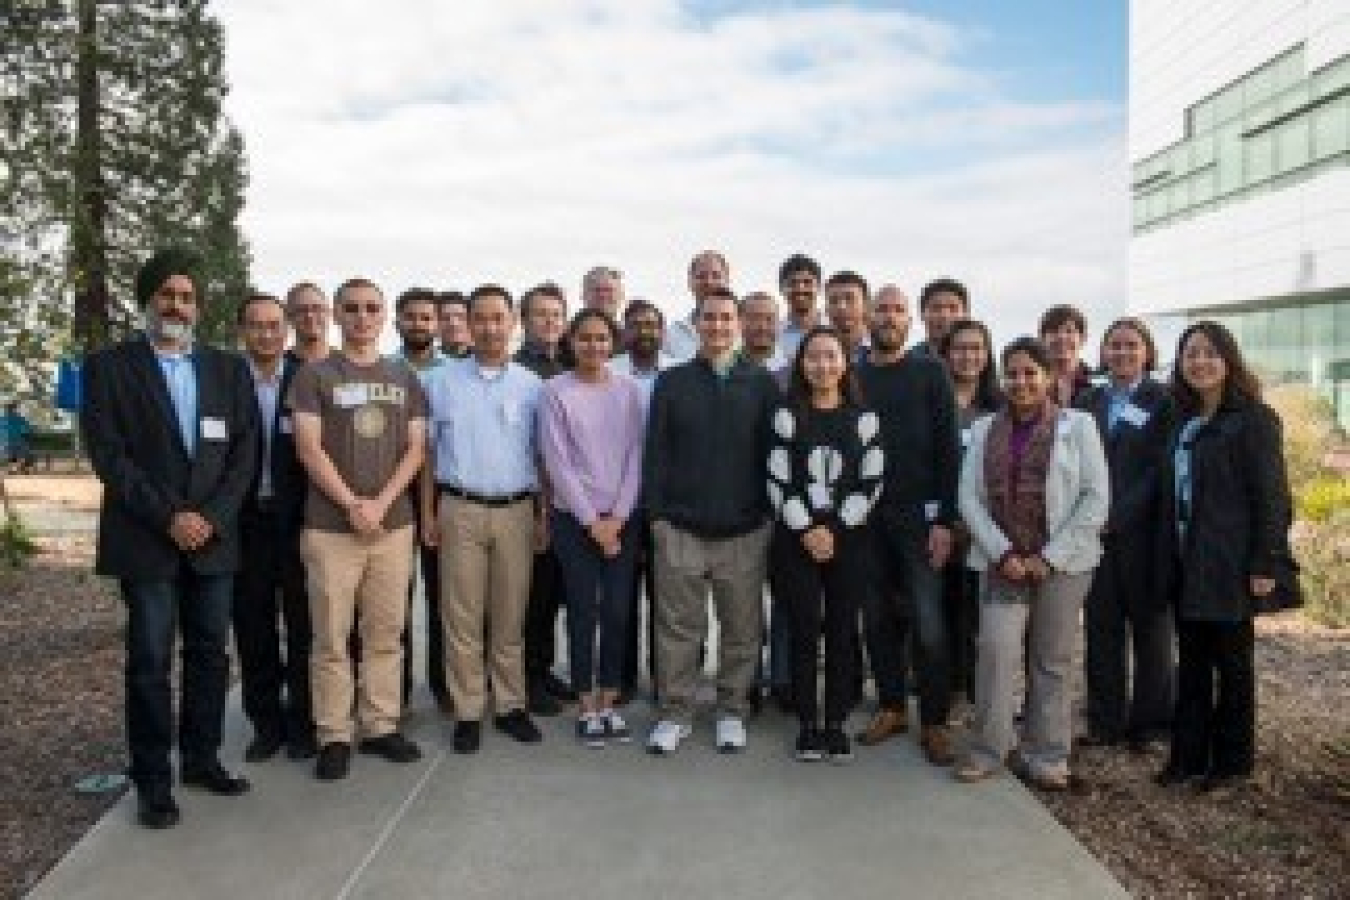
pixel 599 594
pixel 910 594
pixel 200 605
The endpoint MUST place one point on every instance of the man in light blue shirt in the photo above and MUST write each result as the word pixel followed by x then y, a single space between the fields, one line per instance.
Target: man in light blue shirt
pixel 482 492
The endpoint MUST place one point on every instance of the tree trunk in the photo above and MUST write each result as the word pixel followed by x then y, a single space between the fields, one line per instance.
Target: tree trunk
pixel 88 248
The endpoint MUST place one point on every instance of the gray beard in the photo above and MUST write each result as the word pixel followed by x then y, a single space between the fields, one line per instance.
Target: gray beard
pixel 167 330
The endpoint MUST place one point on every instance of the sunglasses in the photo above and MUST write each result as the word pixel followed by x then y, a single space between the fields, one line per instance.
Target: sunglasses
pixel 370 309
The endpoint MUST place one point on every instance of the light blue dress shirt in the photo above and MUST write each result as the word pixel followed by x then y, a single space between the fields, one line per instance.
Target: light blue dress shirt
pixel 180 375
pixel 482 428
pixel 1117 399
pixel 267 393
pixel 1181 466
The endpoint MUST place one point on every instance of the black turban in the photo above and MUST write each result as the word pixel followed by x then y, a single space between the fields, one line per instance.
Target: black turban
pixel 160 268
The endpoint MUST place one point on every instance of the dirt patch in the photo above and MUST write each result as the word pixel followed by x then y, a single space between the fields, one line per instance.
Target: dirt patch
pixel 1286 834
pixel 61 705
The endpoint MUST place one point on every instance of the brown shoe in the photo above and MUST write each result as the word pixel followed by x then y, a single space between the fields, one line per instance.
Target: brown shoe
pixel 936 742
pixel 886 724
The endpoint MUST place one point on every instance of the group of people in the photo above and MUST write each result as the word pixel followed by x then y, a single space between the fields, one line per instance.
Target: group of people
pixel 945 512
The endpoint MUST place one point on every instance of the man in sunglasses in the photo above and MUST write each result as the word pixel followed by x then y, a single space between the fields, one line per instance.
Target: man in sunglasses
pixel 360 432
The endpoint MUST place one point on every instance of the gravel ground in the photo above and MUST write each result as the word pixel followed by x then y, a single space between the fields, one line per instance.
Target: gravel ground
pixel 1285 835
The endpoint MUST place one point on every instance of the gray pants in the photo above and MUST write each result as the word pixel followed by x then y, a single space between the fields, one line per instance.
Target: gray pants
pixel 686 568
pixel 1043 621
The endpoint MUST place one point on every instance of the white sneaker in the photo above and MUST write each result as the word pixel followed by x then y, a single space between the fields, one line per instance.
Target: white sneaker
pixel 666 737
pixel 730 734
pixel 616 729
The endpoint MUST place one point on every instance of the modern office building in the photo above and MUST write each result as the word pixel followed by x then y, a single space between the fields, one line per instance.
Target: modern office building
pixel 1240 155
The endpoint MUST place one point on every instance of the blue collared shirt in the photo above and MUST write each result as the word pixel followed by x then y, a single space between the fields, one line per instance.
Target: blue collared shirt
pixel 1117 398
pixel 267 393
pixel 1181 466
pixel 180 375
pixel 482 429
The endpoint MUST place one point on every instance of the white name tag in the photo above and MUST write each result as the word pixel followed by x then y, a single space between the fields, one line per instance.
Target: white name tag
pixel 284 425
pixel 510 413
pixel 213 429
pixel 1134 415
pixel 965 437
pixel 348 396
pixel 930 511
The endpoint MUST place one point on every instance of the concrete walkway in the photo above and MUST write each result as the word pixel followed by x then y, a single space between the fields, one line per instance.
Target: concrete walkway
pixel 563 821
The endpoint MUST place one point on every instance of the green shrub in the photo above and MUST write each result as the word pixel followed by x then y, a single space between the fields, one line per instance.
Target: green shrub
pixel 15 543
pixel 1323 550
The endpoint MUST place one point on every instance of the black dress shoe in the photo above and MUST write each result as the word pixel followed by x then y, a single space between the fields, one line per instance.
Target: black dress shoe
pixel 559 689
pixel 785 699
pixel 213 777
pixel 468 736
pixel 263 747
pixel 543 703
pixel 1174 775
pixel 302 746
pixel 392 746
pixel 518 726
pixel 334 761
pixel 157 809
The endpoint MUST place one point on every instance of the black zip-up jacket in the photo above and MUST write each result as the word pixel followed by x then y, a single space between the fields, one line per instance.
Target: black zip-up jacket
pixel 707 448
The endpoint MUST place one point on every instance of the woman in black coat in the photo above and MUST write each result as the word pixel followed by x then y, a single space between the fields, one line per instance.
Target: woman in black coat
pixel 1225 519
pixel 1123 617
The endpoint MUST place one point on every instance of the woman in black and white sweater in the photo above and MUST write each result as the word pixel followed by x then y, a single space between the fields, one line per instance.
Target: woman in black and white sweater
pixel 825 468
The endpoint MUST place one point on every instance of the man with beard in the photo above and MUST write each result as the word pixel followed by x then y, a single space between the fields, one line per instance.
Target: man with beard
pixel 453 312
pixel 172 431
pixel 708 272
pixel 941 304
pixel 543 311
pixel 643 325
pixel 846 303
pixel 417 321
pixel 799 283
pixel 270 590
pixel 913 527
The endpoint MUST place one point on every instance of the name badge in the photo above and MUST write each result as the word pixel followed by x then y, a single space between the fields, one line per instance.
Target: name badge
pixel 213 429
pixel 510 413
pixel 930 511
pixel 349 396
pixel 284 425
pixel 965 437
pixel 1134 415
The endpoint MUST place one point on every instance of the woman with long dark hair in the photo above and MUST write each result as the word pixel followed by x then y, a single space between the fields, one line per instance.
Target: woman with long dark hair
pixel 591 434
pixel 825 468
pixel 1225 557
pixel 1034 494
pixel 1125 621
pixel 968 351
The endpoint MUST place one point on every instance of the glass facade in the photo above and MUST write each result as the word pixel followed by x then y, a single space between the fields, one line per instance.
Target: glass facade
pixel 1275 125
pixel 1299 340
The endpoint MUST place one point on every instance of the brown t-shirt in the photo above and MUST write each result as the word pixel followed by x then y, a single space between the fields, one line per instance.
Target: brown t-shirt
pixel 364 412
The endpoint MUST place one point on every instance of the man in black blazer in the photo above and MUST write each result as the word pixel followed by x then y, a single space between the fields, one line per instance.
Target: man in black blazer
pixel 172 431
pixel 271 588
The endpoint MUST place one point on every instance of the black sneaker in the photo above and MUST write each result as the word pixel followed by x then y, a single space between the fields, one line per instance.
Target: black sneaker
pixel 591 730
pixel 392 746
pixel 543 703
pixel 156 809
pixel 836 745
pixel 559 689
pixel 809 745
pixel 334 761
pixel 468 736
pixel 214 778
pixel 518 726
pixel 264 746
pixel 301 746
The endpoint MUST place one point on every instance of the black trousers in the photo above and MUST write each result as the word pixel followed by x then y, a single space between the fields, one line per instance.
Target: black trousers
pixel 430 565
pixel 1215 725
pixel 271 608
pixel 541 617
pixel 961 591
pixel 644 584
pixel 822 596
pixel 1119 629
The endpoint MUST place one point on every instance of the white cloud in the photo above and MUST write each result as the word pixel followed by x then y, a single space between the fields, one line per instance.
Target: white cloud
pixel 452 143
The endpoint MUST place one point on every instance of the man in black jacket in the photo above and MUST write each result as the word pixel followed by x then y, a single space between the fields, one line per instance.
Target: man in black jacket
pixel 704 471
pixel 271 588
pixel 172 431
pixel 913 524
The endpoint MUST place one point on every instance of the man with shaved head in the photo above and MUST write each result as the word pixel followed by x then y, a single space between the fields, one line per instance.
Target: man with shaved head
pixel 913 526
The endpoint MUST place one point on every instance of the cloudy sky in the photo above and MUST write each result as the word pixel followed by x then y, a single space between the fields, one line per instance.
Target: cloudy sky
pixel 450 143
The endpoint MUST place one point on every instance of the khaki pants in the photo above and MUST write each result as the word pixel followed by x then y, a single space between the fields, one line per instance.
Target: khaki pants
pixel 486 556
pixel 366 580
pixel 686 567
pixel 1044 627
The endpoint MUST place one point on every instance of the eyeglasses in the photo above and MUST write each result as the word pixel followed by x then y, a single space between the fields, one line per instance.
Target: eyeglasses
pixel 370 309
